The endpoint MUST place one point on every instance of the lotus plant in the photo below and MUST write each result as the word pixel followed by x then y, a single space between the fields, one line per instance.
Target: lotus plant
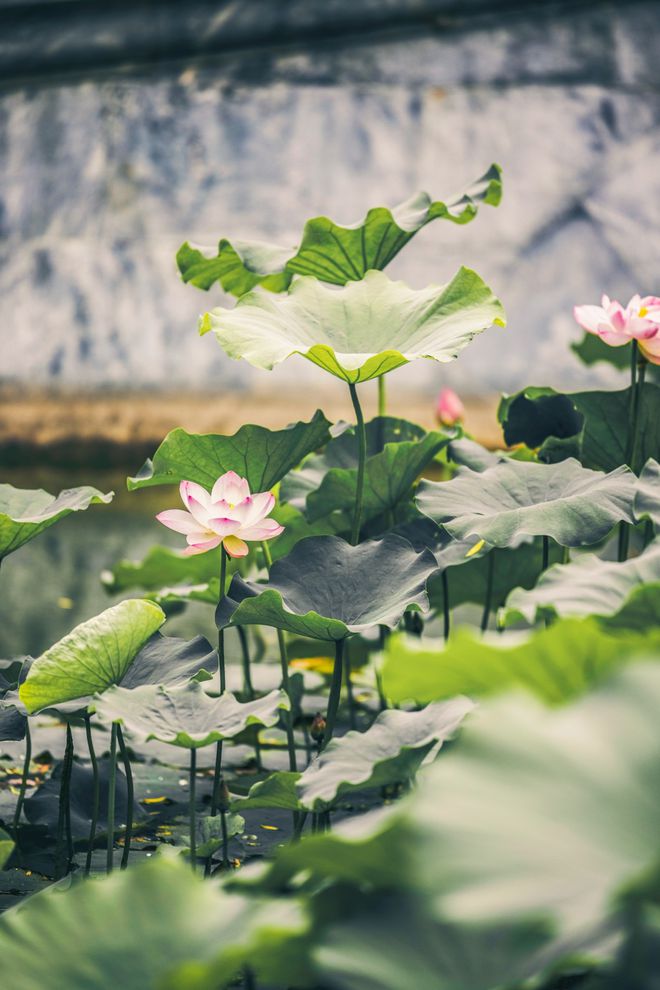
pixel 449 409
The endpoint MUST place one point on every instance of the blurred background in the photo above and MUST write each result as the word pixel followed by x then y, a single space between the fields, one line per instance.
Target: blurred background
pixel 126 128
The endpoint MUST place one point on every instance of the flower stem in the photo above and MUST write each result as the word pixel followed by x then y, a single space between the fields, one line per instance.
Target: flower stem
pixel 109 861
pixel 248 689
pixel 362 457
pixel 546 554
pixel 637 375
pixel 352 712
pixel 64 814
pixel 445 604
pixel 24 777
pixel 193 832
pixel 382 397
pixel 130 796
pixel 217 773
pixel 488 603
pixel 284 665
pixel 96 795
pixel 335 692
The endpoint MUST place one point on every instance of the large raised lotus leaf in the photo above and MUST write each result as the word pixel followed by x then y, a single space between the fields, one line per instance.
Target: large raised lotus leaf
pixel 260 455
pixel 185 715
pixel 556 664
pixel 360 331
pixel 327 589
pixel 390 751
pixel 592 349
pixel 329 251
pixel 25 512
pixel 170 661
pixel 516 499
pixel 92 657
pixel 154 927
pixel 397 452
pixel 647 496
pixel 591 586
pixel 592 426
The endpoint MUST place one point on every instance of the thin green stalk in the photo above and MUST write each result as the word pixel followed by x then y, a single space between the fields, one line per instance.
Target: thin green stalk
pixel 639 389
pixel 546 554
pixel 193 824
pixel 64 813
pixel 284 666
pixel 352 711
pixel 24 777
pixel 637 375
pixel 248 689
pixel 109 861
pixel 335 692
pixel 225 839
pixel 249 979
pixel 382 396
pixel 223 682
pixel 445 604
pixel 300 825
pixel 217 779
pixel 96 795
pixel 130 796
pixel 362 457
pixel 488 603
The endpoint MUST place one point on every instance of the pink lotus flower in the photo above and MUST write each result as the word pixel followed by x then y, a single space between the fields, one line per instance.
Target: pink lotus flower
pixel 616 325
pixel 228 515
pixel 449 409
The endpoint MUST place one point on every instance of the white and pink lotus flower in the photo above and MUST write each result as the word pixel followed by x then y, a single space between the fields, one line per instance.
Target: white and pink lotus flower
pixel 227 515
pixel 617 325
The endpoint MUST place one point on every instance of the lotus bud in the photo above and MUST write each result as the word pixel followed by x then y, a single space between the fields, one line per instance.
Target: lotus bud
pixel 318 727
pixel 449 409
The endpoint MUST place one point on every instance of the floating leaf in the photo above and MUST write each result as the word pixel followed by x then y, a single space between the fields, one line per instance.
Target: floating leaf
pixel 516 499
pixel 360 331
pixel 390 751
pixel 24 512
pixel 92 656
pixel 260 455
pixel 589 586
pixel 592 426
pixel 329 251
pixel 328 589
pixel 185 716
pixel 556 664
pixel 647 496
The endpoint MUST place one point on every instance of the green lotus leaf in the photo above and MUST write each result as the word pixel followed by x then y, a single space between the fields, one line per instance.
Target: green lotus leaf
pixel 170 661
pixel 391 750
pixel 185 715
pixel 360 331
pixel 262 456
pixel 92 657
pixel 278 790
pixel 329 251
pixel 517 499
pixel 397 453
pixel 647 496
pixel 297 527
pixel 209 833
pixel 592 426
pixel 25 512
pixel 161 566
pixel 176 931
pixel 591 586
pixel 592 349
pixel 556 664
pixel 6 847
pixel 327 589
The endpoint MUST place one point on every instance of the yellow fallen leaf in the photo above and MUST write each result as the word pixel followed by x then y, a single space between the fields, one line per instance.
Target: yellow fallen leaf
pixel 270 828
pixel 476 548
pixel 322 665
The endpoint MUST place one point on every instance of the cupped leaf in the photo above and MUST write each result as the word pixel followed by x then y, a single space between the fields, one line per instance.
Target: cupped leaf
pixel 591 586
pixel 390 751
pixel 260 455
pixel 185 715
pixel 360 331
pixel 556 664
pixel 327 589
pixel 329 251
pixel 24 512
pixel 516 499
pixel 92 657
pixel 592 426
pixel 155 927
pixel 647 496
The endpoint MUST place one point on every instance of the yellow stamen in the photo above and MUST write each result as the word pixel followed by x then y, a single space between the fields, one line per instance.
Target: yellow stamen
pixel 642 311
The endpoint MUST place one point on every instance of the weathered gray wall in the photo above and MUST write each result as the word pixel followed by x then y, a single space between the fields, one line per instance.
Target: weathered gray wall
pixel 103 175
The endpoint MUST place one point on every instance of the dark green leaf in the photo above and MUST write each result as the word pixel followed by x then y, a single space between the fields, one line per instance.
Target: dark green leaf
pixel 647 496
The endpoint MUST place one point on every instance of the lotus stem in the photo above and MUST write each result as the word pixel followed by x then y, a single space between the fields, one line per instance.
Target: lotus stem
pixel 217 777
pixel 130 793
pixel 24 777
pixel 225 839
pixel 352 712
pixel 284 665
pixel 64 813
pixel 109 862
pixel 193 829
pixel 637 375
pixel 96 794
pixel 335 692
pixel 362 457
pixel 446 611
pixel 546 554
pixel 248 689
pixel 382 396
pixel 223 685
pixel 488 602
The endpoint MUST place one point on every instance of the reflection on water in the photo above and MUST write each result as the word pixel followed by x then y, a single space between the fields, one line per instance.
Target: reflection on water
pixel 53 583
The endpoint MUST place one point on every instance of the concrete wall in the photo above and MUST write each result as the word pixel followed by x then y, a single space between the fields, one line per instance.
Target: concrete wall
pixel 103 172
